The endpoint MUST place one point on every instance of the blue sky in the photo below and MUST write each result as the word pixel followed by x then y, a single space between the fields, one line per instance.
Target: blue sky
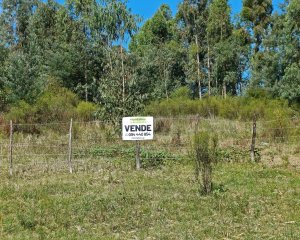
pixel 147 8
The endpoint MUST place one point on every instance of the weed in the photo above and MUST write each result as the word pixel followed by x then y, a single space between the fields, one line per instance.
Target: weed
pixel 204 151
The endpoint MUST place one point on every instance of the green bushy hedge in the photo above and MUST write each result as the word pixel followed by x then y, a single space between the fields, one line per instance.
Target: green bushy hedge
pixel 239 108
pixel 54 105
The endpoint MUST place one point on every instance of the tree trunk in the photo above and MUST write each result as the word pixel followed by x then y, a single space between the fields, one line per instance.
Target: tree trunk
pixel 85 80
pixel 224 89
pixel 85 67
pixel 165 80
pixel 208 68
pixel 198 67
pixel 123 76
pixel 109 54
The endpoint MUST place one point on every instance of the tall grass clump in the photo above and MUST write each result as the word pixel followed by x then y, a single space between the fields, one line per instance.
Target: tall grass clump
pixel 204 151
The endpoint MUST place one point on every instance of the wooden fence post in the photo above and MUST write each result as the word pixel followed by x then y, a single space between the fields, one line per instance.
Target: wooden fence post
pixel 10 152
pixel 1 157
pixel 138 155
pixel 252 148
pixel 70 147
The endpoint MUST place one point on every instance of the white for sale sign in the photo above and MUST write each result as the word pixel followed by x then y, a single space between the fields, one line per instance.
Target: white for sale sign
pixel 137 128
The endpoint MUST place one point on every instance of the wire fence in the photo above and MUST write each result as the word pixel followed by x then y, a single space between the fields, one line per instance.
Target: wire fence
pixel 84 146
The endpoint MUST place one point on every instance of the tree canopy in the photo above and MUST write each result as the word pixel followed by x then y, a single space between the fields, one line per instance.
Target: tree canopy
pixel 97 50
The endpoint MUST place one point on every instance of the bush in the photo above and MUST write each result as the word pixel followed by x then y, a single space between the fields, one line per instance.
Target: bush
pixel 229 108
pixel 85 111
pixel 252 107
pixel 182 92
pixel 56 104
pixel 155 158
pixel 21 112
pixel 258 93
pixel 204 150
pixel 209 107
pixel 240 108
pixel 279 128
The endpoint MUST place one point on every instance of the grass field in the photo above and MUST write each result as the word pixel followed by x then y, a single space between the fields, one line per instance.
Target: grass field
pixel 106 198
pixel 249 201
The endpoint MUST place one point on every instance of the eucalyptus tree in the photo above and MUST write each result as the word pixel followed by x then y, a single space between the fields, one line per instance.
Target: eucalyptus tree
pixel 42 37
pixel 221 50
pixel 14 23
pixel 276 65
pixel 84 12
pixel 241 46
pixel 19 78
pixel 110 97
pixel 3 57
pixel 192 20
pixel 19 70
pixel 289 87
pixel 257 16
pixel 270 62
pixel 160 56
pixel 120 24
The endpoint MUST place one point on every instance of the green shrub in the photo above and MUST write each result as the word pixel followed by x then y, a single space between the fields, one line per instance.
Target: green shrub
pixel 279 128
pixel 229 108
pixel 252 107
pixel 233 154
pixel 209 107
pixel 21 112
pixel 204 151
pixel 155 158
pixel 239 108
pixel 56 104
pixel 259 93
pixel 182 92
pixel 85 111
pixel 24 114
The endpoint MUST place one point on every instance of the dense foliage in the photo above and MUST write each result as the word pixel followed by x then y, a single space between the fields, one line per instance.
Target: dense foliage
pixel 240 108
pixel 82 45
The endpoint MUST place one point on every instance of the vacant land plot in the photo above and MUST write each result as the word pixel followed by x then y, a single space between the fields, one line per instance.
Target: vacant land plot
pixel 106 198
pixel 249 201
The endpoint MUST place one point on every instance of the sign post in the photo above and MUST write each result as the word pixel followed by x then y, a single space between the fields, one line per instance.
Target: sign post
pixel 137 129
pixel 138 155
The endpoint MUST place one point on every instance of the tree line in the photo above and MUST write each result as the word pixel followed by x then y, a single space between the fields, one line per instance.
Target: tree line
pixel 97 50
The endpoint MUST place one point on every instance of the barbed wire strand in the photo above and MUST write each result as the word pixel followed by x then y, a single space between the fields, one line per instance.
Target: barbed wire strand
pixel 192 117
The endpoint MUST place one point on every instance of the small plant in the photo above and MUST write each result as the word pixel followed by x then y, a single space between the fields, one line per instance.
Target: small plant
pixel 205 152
pixel 155 158
pixel 285 161
pixel 176 138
